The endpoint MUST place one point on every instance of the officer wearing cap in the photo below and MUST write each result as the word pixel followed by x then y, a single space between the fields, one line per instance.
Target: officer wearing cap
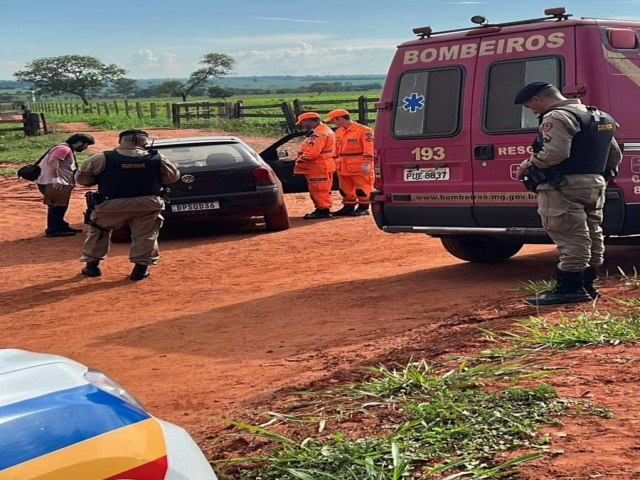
pixel 354 162
pixel 315 161
pixel 575 157
pixel 129 180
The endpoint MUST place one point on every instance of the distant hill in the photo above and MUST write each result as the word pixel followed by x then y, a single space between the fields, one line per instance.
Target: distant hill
pixel 276 81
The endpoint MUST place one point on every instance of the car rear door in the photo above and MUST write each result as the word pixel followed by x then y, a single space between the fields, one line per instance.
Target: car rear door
pixel 283 166
pixel 502 132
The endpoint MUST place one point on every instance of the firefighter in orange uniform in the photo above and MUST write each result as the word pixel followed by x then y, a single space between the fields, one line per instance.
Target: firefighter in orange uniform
pixel 315 161
pixel 354 158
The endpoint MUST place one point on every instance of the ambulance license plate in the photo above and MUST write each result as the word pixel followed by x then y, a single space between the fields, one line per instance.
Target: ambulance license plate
pixel 194 207
pixel 426 174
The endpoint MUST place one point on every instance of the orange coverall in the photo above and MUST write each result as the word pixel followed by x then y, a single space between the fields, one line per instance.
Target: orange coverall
pixel 354 154
pixel 315 161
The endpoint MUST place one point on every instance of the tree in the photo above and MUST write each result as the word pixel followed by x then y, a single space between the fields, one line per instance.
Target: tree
pixel 170 88
pixel 320 87
pixel 219 92
pixel 124 86
pixel 216 65
pixel 79 75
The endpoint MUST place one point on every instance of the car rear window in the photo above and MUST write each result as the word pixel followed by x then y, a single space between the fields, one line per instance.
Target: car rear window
pixel 206 156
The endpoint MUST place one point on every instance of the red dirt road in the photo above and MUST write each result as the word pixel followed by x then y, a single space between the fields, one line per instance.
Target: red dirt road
pixel 227 320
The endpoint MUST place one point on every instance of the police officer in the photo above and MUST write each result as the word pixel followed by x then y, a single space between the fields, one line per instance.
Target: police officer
pixel 129 181
pixel 354 162
pixel 577 156
pixel 315 161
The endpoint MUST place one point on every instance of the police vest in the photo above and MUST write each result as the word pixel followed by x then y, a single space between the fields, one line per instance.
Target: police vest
pixel 590 146
pixel 128 177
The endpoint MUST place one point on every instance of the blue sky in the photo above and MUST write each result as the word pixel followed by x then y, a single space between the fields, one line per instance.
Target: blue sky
pixel 165 39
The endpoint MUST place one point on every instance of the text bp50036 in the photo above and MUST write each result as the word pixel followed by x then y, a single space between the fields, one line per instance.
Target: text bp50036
pixel 193 207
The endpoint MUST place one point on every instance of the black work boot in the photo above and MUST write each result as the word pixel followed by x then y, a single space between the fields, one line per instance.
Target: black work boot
pixel 589 276
pixel 92 269
pixel 569 289
pixel 345 210
pixel 318 213
pixel 139 272
pixel 361 210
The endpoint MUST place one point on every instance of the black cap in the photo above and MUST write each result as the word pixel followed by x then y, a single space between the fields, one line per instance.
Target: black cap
pixel 134 132
pixel 529 91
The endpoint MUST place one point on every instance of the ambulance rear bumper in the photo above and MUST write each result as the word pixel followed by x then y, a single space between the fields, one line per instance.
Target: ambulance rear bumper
pixel 494 232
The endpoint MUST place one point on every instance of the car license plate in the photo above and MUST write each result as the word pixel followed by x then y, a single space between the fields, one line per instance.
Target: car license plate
pixel 426 174
pixel 194 207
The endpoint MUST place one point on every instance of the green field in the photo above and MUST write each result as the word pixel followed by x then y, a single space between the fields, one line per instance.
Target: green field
pixel 17 149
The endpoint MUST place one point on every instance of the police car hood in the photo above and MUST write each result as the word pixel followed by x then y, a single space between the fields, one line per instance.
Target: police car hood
pixel 12 360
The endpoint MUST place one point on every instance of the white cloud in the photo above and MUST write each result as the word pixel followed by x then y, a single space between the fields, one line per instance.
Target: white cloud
pixel 146 63
pixel 7 69
pixel 308 60
pixel 285 19
pixel 262 40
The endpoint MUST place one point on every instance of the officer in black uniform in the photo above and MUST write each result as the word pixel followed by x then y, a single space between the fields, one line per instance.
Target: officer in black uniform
pixel 129 181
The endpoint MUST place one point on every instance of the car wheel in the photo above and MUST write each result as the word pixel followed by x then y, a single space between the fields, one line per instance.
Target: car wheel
pixel 121 235
pixel 278 220
pixel 480 249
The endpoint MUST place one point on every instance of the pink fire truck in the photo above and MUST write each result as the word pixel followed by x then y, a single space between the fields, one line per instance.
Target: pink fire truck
pixel 449 137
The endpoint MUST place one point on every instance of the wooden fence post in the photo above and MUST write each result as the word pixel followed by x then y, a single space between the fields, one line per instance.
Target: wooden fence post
pixel 139 109
pixel 175 111
pixel 289 116
pixel 362 110
pixel 31 123
pixel 126 107
pixel 167 108
pixel 152 108
pixel 98 108
pixel 106 108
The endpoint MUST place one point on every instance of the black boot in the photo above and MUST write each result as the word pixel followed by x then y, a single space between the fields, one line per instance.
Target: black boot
pixel 318 213
pixel 345 210
pixel 139 272
pixel 361 210
pixel 569 289
pixel 92 269
pixel 589 276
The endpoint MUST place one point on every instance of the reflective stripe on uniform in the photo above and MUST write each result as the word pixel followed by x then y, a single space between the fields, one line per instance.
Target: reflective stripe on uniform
pixel 356 154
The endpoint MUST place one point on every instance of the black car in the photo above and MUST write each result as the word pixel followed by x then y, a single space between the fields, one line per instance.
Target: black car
pixel 223 177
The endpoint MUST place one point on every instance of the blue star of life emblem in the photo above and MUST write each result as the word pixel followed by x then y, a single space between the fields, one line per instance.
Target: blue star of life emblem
pixel 413 102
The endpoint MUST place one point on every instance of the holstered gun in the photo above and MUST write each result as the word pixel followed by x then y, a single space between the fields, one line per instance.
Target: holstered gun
pixel 93 199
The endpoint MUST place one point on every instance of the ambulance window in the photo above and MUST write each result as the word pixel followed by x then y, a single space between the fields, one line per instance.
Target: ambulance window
pixel 428 103
pixel 505 79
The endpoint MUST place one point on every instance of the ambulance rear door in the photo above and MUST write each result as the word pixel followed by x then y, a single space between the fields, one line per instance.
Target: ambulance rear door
pixel 424 139
pixel 502 132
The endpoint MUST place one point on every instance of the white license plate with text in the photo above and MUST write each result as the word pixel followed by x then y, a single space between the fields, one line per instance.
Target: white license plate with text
pixel 426 174
pixel 194 207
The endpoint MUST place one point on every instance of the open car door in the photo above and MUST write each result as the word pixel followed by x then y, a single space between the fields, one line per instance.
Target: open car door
pixel 282 162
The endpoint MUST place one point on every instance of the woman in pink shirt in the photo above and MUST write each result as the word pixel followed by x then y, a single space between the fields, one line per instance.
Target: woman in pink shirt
pixel 56 181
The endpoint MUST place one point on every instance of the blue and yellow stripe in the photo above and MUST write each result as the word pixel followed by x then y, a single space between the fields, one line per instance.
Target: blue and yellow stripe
pixel 82 433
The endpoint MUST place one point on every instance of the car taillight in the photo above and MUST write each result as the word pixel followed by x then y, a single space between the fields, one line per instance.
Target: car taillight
pixel 264 177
